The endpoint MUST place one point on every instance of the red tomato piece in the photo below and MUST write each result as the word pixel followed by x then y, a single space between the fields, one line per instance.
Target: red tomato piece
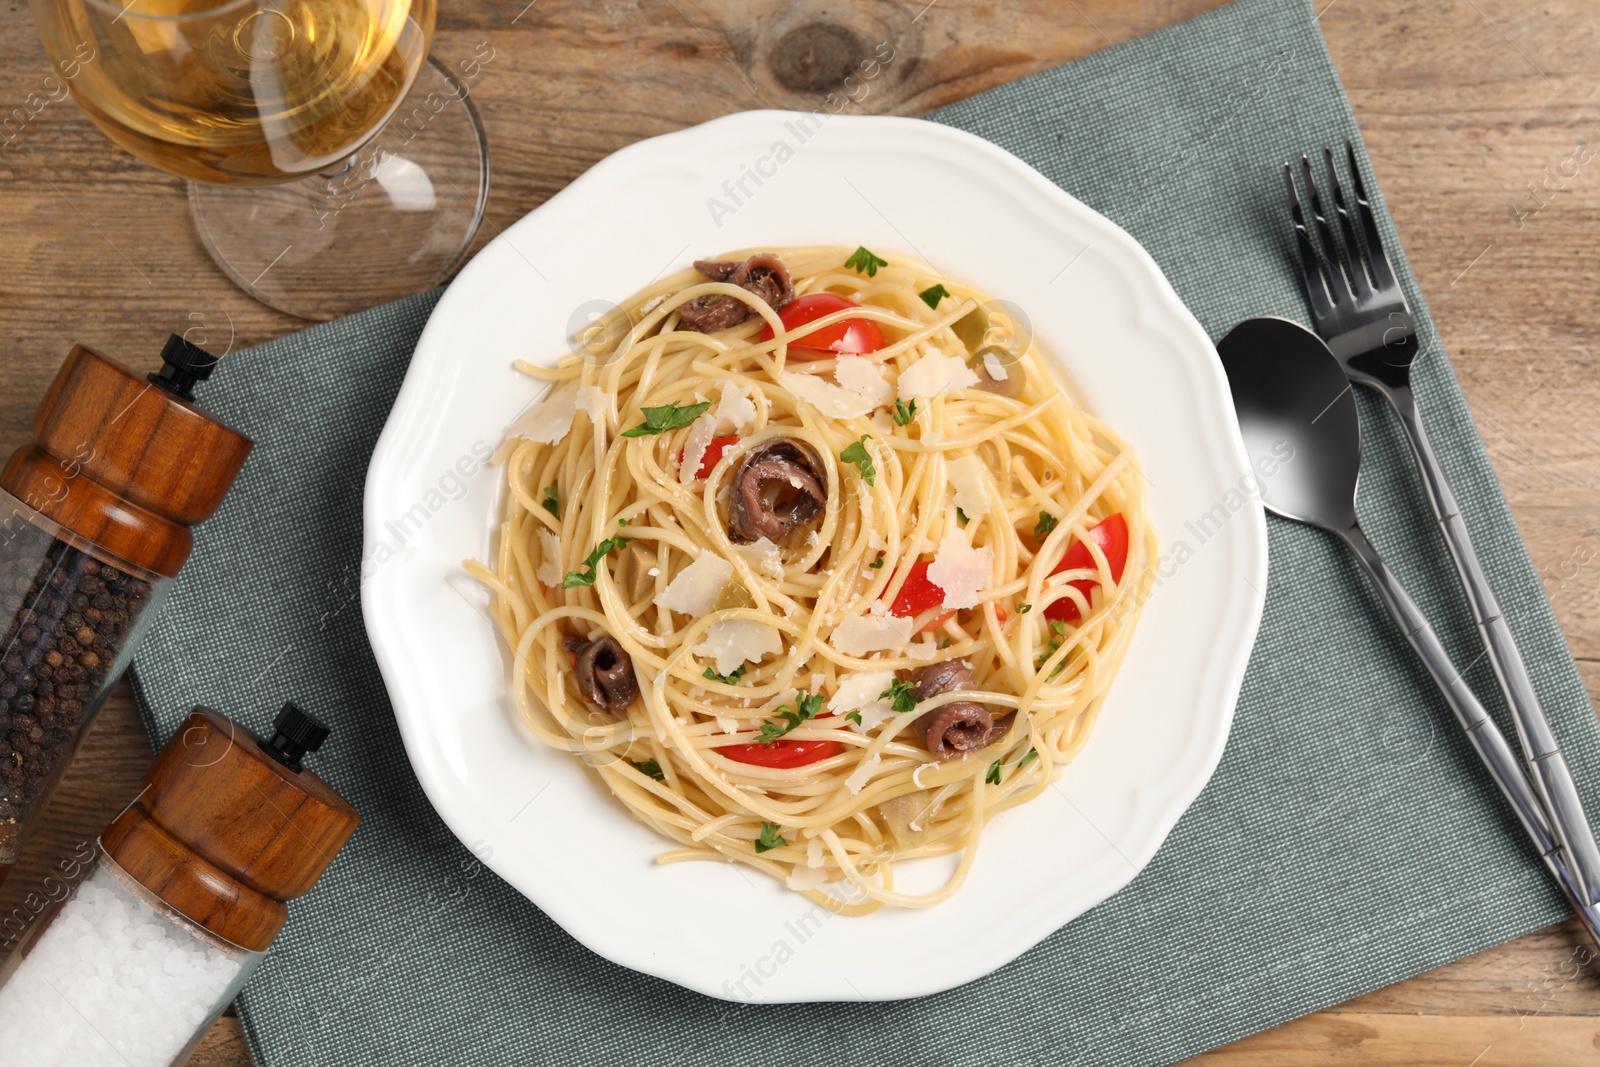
pixel 782 753
pixel 917 595
pixel 713 454
pixel 845 337
pixel 1111 534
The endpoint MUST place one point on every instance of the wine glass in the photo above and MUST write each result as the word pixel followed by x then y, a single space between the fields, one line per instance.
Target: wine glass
pixel 332 165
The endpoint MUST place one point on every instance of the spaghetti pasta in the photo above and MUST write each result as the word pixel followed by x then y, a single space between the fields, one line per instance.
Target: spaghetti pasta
pixel 825 584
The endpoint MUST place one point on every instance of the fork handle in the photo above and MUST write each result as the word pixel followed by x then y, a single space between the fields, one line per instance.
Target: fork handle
pixel 1539 748
pixel 1486 739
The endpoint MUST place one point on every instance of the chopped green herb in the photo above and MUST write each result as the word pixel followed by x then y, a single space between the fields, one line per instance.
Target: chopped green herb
pixel 993 777
pixel 1024 609
pixel 933 295
pixel 650 768
pixel 551 502
pixel 670 417
pixel 904 411
pixel 592 562
pixel 1059 629
pixel 876 564
pixel 809 706
pixel 962 515
pixel 726 679
pixel 1046 523
pixel 863 262
pixel 622 522
pixel 770 837
pixel 857 454
pixel 855 717
pixel 900 694
pixel 1032 755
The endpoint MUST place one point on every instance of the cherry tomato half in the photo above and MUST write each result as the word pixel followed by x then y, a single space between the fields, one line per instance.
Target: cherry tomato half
pixel 917 595
pixel 1111 534
pixel 845 337
pixel 713 454
pixel 782 752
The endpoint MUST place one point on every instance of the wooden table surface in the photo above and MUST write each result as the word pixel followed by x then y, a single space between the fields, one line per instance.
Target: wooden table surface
pixel 1483 125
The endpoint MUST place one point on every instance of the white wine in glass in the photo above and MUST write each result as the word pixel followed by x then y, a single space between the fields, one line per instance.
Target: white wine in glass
pixel 241 95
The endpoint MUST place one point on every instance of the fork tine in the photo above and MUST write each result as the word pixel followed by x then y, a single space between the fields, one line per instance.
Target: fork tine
pixel 1353 260
pixel 1315 280
pixel 1338 279
pixel 1382 274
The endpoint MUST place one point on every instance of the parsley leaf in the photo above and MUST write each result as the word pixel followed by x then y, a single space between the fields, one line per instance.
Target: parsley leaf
pixel 670 417
pixel 1032 755
pixel 809 706
pixel 726 679
pixel 863 262
pixel 857 454
pixel 592 562
pixel 904 411
pixel 650 768
pixel 855 717
pixel 993 777
pixel 901 695
pixel 962 515
pixel 622 522
pixel 1046 523
pixel 1059 629
pixel 933 295
pixel 551 502
pixel 770 837
pixel 1024 609
pixel 876 564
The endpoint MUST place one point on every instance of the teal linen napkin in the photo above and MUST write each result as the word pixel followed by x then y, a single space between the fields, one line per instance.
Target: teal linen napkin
pixel 1348 839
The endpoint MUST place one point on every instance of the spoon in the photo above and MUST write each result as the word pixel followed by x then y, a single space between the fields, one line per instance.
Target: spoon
pixel 1293 400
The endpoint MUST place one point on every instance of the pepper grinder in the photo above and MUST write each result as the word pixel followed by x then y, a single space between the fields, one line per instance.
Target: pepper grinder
pixel 187 893
pixel 95 517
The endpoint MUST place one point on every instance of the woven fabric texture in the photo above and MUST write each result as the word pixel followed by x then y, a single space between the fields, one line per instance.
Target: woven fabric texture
pixel 1348 839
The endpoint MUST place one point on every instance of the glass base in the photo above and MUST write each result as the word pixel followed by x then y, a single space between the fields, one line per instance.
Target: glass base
pixel 397 218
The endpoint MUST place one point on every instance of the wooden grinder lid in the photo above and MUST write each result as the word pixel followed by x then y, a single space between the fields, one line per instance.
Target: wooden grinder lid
pixel 128 462
pixel 228 828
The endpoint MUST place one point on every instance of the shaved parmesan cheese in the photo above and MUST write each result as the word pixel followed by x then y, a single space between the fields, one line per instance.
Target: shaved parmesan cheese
pixel 861 388
pixel 764 557
pixel 972 488
pixel 916 780
pixel 727 726
pixel 924 649
pixel 814 852
pixel 934 374
pixel 651 304
pixel 694 448
pixel 857 689
pixel 731 642
pixel 549 420
pixel 858 635
pixel 735 410
pixel 996 370
pixel 960 570
pixel 804 878
pixel 882 423
pixel 595 401
pixel 694 589
pixel 862 774
pixel 550 550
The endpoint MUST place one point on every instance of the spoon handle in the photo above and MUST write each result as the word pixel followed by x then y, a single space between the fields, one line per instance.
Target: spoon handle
pixel 1485 736
pixel 1540 751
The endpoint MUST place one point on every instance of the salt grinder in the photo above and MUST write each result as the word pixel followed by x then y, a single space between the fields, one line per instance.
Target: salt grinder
pixel 188 891
pixel 95 518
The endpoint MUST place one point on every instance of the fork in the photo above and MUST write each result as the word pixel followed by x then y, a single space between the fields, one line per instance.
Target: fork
pixel 1358 308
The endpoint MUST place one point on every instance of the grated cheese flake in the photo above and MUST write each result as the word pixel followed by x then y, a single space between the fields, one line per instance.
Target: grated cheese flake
pixel 814 852
pixel 735 409
pixel 803 878
pixel 764 557
pixel 595 401
pixel 960 570
pixel 549 571
pixel 863 774
pixel 859 634
pixel 861 388
pixel 995 369
pixel 550 418
pixel 694 448
pixel 934 374
pixel 731 642
pixel 693 590
pixel 972 487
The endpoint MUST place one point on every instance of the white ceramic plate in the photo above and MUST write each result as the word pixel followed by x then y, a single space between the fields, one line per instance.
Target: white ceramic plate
pixel 1133 355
